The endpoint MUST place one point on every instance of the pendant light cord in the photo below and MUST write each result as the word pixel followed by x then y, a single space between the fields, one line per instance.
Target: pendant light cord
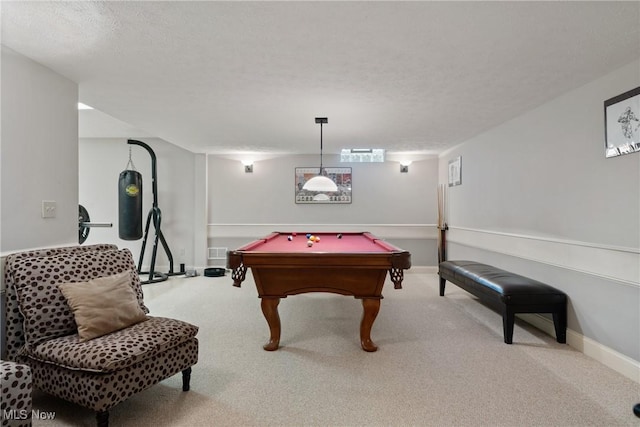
pixel 320 149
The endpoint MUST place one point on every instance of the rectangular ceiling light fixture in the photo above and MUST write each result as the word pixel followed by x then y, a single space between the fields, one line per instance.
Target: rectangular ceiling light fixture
pixel 362 155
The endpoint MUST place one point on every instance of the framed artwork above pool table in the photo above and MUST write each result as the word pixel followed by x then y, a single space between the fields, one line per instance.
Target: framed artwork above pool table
pixel 342 178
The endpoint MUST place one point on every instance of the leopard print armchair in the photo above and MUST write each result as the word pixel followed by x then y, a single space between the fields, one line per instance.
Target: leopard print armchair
pixel 97 373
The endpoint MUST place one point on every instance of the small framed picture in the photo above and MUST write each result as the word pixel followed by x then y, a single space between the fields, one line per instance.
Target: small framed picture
pixel 455 171
pixel 622 124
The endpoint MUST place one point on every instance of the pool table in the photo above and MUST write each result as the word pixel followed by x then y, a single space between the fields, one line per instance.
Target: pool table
pixel 354 264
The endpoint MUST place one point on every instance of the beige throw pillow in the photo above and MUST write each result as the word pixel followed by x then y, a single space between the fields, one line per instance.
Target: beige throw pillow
pixel 103 305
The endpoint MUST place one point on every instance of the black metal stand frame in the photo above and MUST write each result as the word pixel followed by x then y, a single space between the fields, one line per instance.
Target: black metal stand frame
pixel 155 214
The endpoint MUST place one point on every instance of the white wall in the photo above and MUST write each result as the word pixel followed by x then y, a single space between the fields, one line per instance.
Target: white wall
pixel 539 197
pixel 38 161
pixel 399 207
pixel 101 161
pixel 39 155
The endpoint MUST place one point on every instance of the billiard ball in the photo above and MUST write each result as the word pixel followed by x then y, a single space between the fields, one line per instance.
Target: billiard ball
pixel 308 235
pixel 340 236
pixel 290 238
pixel 309 243
pixel 317 239
pixel 312 238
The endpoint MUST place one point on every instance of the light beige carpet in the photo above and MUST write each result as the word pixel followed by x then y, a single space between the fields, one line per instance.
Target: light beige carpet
pixel 441 362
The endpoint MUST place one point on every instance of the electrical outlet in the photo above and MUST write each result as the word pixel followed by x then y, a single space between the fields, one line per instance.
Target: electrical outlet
pixel 49 209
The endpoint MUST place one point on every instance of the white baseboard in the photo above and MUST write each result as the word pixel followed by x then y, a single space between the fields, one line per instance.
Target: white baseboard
pixel 422 269
pixel 617 361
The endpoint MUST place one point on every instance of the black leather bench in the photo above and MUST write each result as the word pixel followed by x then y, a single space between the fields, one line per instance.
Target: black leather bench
pixel 508 293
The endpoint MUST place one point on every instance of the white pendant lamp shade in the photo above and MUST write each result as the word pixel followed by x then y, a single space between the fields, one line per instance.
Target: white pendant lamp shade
pixel 320 183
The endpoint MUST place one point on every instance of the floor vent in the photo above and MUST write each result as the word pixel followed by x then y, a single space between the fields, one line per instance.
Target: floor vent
pixel 218 253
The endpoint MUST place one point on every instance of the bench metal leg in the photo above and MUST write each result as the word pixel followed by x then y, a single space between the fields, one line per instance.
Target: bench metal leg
pixel 442 282
pixel 560 324
pixel 508 319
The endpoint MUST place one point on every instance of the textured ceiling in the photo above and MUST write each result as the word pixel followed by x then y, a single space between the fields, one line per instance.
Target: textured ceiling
pixel 229 77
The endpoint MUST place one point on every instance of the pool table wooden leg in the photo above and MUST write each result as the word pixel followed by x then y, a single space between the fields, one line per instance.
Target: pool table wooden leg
pixel 270 311
pixel 371 307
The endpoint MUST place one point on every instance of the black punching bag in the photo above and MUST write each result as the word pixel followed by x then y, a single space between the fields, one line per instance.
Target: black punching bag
pixel 130 205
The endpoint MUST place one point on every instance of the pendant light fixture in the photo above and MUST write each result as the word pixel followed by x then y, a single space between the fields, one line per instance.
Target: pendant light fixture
pixel 320 182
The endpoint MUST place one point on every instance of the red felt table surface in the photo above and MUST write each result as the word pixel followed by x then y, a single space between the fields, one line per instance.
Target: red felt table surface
pixel 329 242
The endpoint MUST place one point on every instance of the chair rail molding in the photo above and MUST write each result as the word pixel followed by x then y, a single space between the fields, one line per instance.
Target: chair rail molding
pixel 621 264
pixel 387 231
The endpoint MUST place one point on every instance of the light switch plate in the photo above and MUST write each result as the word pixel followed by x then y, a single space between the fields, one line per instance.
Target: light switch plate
pixel 48 209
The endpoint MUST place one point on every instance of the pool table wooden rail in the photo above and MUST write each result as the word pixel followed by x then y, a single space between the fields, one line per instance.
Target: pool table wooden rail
pixel 318 261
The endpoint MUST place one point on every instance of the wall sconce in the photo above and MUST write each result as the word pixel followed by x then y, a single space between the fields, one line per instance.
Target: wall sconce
pixel 404 167
pixel 248 166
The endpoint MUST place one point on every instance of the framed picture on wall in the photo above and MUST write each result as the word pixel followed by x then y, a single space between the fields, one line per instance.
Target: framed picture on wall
pixel 455 171
pixel 342 178
pixel 622 124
